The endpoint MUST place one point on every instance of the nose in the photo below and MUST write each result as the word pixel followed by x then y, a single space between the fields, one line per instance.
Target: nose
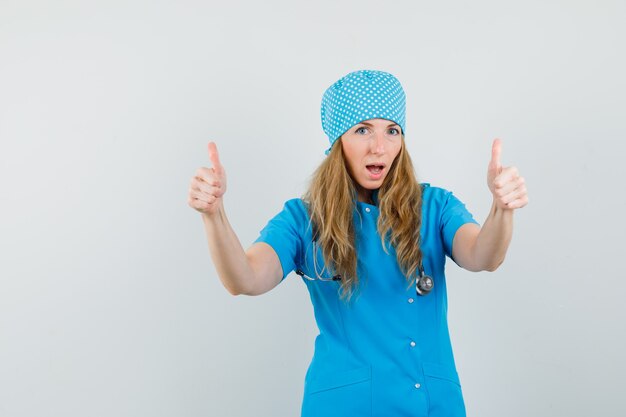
pixel 378 143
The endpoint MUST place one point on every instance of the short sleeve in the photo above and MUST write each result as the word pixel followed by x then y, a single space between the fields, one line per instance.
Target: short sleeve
pixel 454 214
pixel 282 233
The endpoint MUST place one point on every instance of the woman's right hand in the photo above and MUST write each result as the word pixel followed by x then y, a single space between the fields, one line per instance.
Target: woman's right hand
pixel 208 185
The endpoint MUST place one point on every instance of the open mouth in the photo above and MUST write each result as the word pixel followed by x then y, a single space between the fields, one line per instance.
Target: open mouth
pixel 375 168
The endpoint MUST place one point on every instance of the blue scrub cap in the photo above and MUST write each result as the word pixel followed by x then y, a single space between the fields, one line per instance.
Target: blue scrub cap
pixel 358 96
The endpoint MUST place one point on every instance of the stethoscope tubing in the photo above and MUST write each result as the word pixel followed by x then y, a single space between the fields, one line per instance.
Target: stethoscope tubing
pixel 424 284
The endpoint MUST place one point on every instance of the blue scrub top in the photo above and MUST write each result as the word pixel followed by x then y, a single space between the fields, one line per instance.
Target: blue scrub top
pixel 387 352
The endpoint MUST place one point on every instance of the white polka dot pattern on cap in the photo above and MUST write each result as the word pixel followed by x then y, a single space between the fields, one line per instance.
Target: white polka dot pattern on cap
pixel 362 95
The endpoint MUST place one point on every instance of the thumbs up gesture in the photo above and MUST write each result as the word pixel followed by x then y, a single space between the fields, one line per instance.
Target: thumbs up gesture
pixel 208 185
pixel 505 183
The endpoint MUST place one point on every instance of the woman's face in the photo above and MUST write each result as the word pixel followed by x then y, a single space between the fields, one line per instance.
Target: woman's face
pixel 370 148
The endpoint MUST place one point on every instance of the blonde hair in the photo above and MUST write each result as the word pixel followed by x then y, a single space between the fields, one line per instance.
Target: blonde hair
pixel 331 199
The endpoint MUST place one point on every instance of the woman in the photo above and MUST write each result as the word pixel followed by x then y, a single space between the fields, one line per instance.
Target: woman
pixel 370 243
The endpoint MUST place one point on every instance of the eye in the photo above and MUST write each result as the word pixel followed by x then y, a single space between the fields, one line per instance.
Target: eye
pixel 394 131
pixel 361 131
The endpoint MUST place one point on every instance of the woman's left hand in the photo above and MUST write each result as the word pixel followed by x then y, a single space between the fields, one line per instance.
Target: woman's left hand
pixel 505 183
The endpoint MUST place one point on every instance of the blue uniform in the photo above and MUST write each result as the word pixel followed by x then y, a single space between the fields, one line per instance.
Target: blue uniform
pixel 388 351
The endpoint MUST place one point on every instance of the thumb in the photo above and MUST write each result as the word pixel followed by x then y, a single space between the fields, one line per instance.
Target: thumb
pixel 214 157
pixel 496 150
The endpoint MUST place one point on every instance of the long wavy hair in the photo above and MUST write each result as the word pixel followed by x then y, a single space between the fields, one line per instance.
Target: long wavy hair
pixel 331 199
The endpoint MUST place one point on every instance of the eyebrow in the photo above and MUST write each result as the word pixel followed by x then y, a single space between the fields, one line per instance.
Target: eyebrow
pixel 369 124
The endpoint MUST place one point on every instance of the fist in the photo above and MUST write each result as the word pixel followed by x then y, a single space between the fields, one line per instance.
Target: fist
pixel 208 185
pixel 505 183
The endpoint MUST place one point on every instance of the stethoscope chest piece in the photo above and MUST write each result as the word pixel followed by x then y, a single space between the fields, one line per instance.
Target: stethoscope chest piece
pixel 424 284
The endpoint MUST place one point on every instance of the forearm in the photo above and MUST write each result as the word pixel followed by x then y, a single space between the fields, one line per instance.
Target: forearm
pixel 494 238
pixel 228 255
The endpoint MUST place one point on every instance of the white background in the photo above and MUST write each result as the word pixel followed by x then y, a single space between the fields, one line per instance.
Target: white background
pixel 109 302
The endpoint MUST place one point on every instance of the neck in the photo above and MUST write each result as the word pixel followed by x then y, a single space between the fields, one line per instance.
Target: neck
pixel 365 196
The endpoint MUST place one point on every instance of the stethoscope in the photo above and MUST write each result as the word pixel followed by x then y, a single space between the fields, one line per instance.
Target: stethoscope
pixel 424 284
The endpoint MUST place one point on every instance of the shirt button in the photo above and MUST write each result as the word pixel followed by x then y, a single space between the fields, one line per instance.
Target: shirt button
pixel 367 209
pixel 418 385
pixel 412 343
pixel 410 300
